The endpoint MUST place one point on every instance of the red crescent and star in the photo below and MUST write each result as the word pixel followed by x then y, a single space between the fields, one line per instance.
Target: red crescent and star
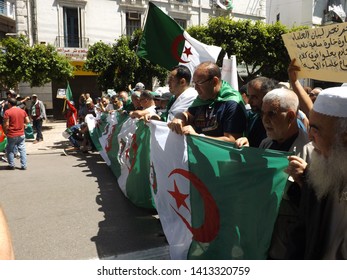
pixel 174 49
pixel 211 225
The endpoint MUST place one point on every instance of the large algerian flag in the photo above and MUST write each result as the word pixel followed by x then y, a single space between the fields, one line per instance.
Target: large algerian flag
pixel 124 145
pixel 215 201
pixel 166 43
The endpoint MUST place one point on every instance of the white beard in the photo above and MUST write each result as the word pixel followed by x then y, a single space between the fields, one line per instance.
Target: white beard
pixel 328 174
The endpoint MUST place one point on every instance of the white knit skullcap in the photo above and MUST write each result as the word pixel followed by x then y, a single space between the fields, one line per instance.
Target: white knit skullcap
pixel 332 102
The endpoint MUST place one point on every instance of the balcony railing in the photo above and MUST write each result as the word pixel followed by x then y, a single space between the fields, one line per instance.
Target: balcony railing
pixel 133 2
pixel 71 42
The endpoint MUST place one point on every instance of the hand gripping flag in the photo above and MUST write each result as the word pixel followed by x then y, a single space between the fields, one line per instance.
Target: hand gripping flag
pixel 166 43
pixel 214 201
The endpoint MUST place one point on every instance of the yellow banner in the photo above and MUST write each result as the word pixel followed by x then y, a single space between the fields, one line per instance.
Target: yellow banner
pixel 320 52
pixel 79 69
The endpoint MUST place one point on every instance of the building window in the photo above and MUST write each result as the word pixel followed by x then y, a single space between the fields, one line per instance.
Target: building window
pixel 71 27
pixel 2 7
pixel 133 22
pixel 181 22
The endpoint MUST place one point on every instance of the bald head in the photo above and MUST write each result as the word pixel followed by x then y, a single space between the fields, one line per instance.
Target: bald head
pixel 211 68
pixel 286 98
pixel 279 114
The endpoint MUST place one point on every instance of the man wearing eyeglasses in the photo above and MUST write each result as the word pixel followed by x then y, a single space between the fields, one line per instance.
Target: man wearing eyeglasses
pixel 218 111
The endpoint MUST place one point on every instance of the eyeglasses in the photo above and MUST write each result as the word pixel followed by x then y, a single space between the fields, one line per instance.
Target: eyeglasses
pixel 201 83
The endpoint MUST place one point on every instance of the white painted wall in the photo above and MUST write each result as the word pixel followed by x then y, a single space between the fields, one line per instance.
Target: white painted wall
pixel 298 12
pixel 291 12
pixel 47 21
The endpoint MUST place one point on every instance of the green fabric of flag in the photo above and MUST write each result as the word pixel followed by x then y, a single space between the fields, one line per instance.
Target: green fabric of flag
pixel 127 156
pixel 113 153
pixel 97 132
pixel 130 163
pixel 235 216
pixel 138 183
pixel 158 34
pixel 68 92
pixel 3 144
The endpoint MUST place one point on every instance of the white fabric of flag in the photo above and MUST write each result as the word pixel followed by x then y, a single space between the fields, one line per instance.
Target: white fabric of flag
pixel 168 153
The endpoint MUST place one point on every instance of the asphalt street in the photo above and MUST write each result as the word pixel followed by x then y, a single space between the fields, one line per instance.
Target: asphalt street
pixel 70 207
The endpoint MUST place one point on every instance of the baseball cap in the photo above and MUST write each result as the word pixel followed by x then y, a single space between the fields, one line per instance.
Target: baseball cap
pixel 139 86
pixel 164 96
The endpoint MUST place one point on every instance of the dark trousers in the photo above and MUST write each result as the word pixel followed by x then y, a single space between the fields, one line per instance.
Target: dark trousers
pixel 37 124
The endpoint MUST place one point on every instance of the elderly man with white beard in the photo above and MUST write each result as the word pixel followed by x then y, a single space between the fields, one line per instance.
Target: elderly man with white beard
pixel 322 230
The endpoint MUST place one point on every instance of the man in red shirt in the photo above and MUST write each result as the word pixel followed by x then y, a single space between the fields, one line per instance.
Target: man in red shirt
pixel 14 122
pixel 70 113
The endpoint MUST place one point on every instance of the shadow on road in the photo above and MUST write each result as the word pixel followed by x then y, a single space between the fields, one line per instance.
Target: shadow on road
pixel 125 228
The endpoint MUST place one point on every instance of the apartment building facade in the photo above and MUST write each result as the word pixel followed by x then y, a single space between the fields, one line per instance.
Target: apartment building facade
pixel 7 18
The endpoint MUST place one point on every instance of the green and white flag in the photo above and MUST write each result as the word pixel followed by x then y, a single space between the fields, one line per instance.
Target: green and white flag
pixel 69 92
pixel 225 4
pixel 165 43
pixel 215 201
pixel 124 145
pixel 101 130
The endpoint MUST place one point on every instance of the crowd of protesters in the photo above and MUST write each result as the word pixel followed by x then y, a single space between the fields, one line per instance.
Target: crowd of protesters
pixel 311 123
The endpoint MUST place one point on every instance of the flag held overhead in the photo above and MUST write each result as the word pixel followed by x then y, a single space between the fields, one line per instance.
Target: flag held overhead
pixel 68 92
pixel 166 43
pixel 225 4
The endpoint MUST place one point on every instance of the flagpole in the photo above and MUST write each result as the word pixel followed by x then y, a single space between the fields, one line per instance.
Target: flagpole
pixel 143 26
pixel 145 17
pixel 64 106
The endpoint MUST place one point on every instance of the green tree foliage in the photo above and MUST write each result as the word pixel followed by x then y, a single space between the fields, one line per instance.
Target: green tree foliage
pixel 35 65
pixel 114 64
pixel 256 44
pixel 13 61
pixel 126 62
pixel 118 65
pixel 99 60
